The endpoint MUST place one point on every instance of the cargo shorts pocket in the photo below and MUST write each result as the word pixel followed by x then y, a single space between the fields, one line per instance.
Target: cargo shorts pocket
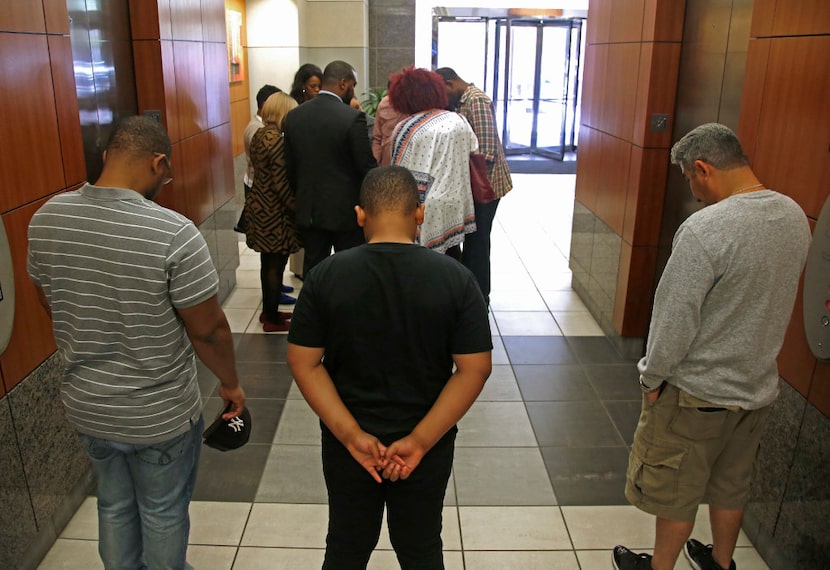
pixel 656 475
pixel 698 424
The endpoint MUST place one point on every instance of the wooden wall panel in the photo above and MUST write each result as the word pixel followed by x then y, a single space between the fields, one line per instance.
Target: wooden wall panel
pixel 196 177
pixel 66 101
pixel 144 20
pixel 56 16
pixel 820 388
pixel 612 183
pixel 801 18
pixel 791 152
pixel 173 195
pixel 635 290
pixel 592 83
pixel 763 16
pixel 626 21
pixel 32 340
pixel 32 167
pixel 599 14
pixel 752 97
pixel 22 16
pixel 663 21
pixel 656 92
pixel 619 94
pixel 645 196
pixel 240 116
pixel 189 69
pixel 221 164
pixel 588 166
pixel 149 77
pixel 216 84
pixel 796 363
pixel 213 20
pixel 171 99
pixel 186 20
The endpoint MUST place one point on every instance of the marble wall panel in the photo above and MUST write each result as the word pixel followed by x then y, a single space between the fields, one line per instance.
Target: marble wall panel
pixel 801 533
pixel 17 519
pixel 52 456
pixel 774 460
pixel 223 244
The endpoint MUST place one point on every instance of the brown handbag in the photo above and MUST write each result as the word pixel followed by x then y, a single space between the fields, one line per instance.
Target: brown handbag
pixel 479 182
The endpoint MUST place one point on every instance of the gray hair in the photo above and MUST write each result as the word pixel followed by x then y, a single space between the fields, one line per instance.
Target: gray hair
pixel 712 143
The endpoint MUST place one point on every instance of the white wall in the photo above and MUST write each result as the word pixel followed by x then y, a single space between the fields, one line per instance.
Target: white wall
pixel 283 34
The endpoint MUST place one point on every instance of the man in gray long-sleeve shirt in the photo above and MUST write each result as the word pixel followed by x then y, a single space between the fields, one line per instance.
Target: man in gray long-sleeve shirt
pixel 709 374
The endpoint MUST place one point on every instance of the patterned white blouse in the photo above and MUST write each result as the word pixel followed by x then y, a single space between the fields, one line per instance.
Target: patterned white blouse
pixel 436 146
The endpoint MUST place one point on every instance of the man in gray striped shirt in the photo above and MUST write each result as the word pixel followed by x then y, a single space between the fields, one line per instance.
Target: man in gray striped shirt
pixel 131 290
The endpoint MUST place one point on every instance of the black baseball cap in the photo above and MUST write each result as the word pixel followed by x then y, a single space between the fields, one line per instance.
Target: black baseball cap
pixel 229 434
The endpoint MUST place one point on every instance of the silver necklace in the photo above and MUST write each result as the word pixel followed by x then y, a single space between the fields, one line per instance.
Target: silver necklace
pixel 745 188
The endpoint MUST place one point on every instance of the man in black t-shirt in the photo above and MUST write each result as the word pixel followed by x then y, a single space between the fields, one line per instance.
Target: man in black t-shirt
pixel 391 319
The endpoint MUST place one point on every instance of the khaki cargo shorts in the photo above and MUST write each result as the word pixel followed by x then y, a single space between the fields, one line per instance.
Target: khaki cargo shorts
pixel 685 453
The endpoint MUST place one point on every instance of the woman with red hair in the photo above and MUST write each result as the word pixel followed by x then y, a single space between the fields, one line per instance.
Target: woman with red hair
pixel 435 145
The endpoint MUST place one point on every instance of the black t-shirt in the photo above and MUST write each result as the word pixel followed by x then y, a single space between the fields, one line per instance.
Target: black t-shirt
pixel 390 316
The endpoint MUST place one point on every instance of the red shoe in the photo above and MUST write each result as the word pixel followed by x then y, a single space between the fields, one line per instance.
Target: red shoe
pixel 285 315
pixel 268 326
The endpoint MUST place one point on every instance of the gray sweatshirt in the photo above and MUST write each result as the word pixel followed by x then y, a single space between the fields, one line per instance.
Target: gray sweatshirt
pixel 725 299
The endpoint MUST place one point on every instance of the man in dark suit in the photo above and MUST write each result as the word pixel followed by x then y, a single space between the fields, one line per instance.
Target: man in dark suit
pixel 328 152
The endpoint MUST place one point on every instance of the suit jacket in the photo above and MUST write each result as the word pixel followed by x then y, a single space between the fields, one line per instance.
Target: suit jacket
pixel 328 152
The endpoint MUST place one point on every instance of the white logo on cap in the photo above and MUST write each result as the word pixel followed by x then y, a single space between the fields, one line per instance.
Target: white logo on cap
pixel 236 424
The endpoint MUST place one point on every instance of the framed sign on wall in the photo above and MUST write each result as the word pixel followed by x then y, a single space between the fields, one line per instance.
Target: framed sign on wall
pixel 233 26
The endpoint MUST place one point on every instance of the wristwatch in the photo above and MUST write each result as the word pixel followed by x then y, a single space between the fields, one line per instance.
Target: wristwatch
pixel 645 387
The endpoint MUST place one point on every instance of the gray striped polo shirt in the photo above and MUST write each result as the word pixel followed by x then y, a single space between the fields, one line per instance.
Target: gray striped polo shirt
pixel 113 266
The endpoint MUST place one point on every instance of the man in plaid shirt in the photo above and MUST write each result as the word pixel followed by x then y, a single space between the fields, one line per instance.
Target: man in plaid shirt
pixel 475 106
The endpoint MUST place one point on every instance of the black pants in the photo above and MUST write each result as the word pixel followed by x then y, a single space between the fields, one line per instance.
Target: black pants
pixel 318 243
pixel 476 254
pixel 413 508
pixel 272 266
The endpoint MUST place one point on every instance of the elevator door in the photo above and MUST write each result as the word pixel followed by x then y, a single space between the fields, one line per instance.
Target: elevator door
pixel 104 76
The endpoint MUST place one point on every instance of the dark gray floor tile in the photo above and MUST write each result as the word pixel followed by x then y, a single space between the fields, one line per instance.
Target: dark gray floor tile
pixel 538 350
pixel 587 475
pixel 265 416
pixel 615 381
pixel 207 380
pixel 572 424
pixel 265 379
pixel 553 382
pixel 625 415
pixel 261 348
pixel 595 350
pixel 231 476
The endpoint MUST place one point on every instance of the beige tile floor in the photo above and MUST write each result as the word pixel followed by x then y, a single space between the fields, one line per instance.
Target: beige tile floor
pixel 531 295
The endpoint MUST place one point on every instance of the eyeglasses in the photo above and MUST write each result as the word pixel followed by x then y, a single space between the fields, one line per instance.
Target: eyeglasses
pixel 168 180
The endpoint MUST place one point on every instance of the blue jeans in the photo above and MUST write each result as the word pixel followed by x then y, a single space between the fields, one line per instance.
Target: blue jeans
pixel 143 499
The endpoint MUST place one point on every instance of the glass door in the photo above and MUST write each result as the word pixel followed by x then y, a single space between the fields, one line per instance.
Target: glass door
pixel 540 96
pixel 530 68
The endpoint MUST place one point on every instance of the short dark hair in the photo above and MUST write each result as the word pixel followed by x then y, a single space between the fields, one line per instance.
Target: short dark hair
pixel 139 135
pixel 448 74
pixel 415 89
pixel 337 70
pixel 306 72
pixel 264 92
pixel 389 189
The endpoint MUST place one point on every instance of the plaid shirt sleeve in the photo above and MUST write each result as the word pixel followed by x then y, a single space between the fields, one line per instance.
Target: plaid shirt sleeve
pixel 478 109
pixel 481 116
